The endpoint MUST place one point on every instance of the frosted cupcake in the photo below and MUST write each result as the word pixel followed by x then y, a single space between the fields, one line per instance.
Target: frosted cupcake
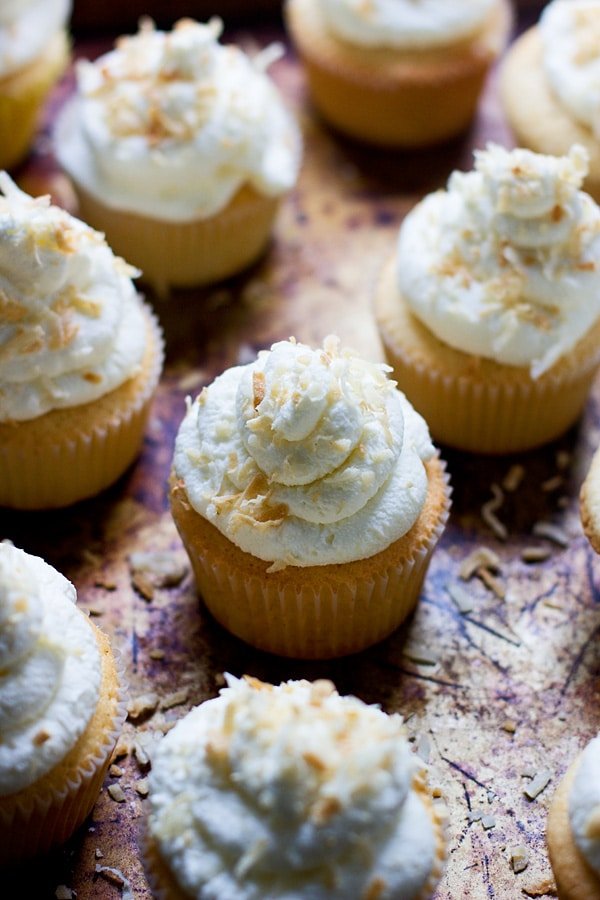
pixel 180 149
pixel 574 828
pixel 550 83
pixel 489 310
pixel 60 707
pixel 377 70
pixel 309 498
pixel 80 357
pixel 290 791
pixel 34 52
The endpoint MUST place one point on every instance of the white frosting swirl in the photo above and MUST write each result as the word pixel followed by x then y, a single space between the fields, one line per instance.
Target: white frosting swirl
pixel 505 264
pixel 26 27
pixel 305 457
pixel 570 33
pixel 290 792
pixel 172 125
pixel 50 669
pixel 71 323
pixel 405 24
pixel 584 804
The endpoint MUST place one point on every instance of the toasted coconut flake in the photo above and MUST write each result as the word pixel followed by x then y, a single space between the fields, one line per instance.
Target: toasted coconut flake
pixel 141 787
pixel 488 513
pixel 117 793
pixel 519 858
pixel 480 558
pixel 535 554
pixel 541 888
pixel 142 706
pixel 552 532
pixel 513 478
pixel 552 484
pixel 538 783
pixel 488 821
pixel 462 600
pixel 421 655
pixel 174 699
pixel 491 582
pixel 63 892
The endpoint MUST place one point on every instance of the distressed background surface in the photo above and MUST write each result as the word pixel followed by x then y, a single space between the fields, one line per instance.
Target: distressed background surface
pixel 494 696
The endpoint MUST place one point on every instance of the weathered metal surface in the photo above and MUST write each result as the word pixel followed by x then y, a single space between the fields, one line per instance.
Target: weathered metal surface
pixel 513 687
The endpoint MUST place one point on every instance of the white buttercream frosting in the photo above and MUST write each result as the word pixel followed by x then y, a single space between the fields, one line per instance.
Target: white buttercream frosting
pixel 570 33
pixel 305 457
pixel 405 24
pixel 50 669
pixel 72 326
pixel 584 804
pixel 290 792
pixel 26 26
pixel 173 124
pixel 505 264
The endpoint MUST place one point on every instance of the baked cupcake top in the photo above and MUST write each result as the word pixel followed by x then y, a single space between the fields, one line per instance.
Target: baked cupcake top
pixel 71 323
pixel 291 792
pixel 570 32
pixel 26 26
pixel 173 124
pixel 405 24
pixel 305 457
pixel 584 804
pixel 505 263
pixel 50 669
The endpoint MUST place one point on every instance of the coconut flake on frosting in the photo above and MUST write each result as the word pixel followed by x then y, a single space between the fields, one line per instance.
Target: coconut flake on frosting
pixel 584 804
pixel 173 124
pixel 49 669
pixel 305 457
pixel 405 24
pixel 291 791
pixel 71 323
pixel 505 264
pixel 570 33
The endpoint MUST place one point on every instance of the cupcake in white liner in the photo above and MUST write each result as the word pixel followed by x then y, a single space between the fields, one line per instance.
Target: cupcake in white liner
pixel 291 792
pixel 80 357
pixel 549 84
pixel 490 309
pixel 574 828
pixel 180 150
pixel 34 52
pixel 61 707
pixel 309 498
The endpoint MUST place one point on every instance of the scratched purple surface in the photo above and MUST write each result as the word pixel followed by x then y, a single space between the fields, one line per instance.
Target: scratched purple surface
pixel 530 659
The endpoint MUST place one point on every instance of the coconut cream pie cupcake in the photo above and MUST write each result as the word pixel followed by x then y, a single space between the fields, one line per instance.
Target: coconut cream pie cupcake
pixel 574 828
pixel 309 498
pixel 550 84
pixel 589 503
pixel 180 149
pixel 290 792
pixel 34 52
pixel 60 707
pixel 376 70
pixel 490 309
pixel 80 356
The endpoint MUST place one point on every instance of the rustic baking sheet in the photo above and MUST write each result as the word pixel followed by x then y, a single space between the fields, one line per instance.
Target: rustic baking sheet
pixel 494 697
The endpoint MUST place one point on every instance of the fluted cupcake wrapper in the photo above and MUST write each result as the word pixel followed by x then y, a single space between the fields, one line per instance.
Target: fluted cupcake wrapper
pixel 477 404
pixel 69 454
pixel 22 95
pixel 186 254
pixel 48 812
pixel 575 878
pixel 304 613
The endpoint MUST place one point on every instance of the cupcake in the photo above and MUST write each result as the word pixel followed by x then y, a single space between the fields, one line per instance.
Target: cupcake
pixel 290 791
pixel 489 310
pixel 80 357
pixel 60 707
pixel 180 150
pixel 309 498
pixel 574 828
pixel 34 52
pixel 549 83
pixel 376 70
pixel 589 503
